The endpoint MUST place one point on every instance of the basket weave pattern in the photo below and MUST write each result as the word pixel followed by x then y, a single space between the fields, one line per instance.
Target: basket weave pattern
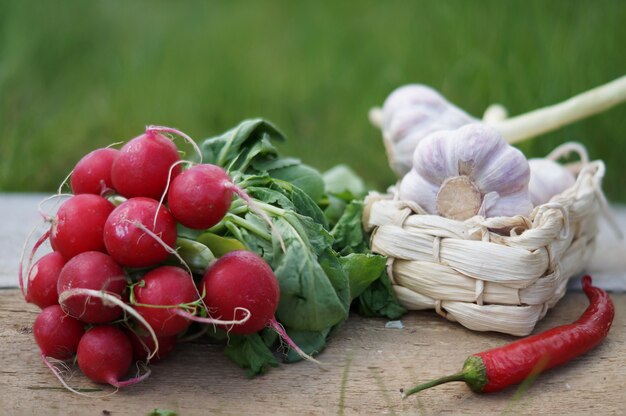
pixel 489 274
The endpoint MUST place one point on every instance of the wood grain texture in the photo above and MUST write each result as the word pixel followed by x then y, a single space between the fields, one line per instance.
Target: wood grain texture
pixel 366 365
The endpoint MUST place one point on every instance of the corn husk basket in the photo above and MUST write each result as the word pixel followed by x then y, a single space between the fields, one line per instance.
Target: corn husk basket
pixel 490 274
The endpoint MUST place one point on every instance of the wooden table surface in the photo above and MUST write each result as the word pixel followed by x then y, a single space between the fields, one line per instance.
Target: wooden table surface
pixel 365 366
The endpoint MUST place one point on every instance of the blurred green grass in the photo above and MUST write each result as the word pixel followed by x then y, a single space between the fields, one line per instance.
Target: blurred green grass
pixel 77 75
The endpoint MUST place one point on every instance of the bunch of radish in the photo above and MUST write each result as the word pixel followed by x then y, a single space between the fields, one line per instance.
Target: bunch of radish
pixel 108 291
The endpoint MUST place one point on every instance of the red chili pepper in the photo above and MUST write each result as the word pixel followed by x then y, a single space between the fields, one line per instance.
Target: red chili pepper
pixel 497 368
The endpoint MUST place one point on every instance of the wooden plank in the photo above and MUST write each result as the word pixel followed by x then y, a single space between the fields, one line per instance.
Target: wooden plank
pixel 365 366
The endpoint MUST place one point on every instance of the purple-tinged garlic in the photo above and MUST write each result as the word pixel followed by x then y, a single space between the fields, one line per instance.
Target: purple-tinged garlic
pixel 409 114
pixel 413 111
pixel 547 179
pixel 469 171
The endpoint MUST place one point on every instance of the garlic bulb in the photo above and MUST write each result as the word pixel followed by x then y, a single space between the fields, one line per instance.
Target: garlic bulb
pixel 547 178
pixel 409 114
pixel 469 171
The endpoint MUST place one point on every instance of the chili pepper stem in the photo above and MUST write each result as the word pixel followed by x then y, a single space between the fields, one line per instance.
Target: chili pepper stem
pixel 460 376
pixel 474 374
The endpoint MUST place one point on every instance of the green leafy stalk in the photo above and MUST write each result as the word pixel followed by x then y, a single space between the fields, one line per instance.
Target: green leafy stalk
pixel 325 264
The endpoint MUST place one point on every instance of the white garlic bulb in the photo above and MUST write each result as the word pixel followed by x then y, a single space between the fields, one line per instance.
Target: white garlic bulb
pixel 409 114
pixel 469 171
pixel 547 179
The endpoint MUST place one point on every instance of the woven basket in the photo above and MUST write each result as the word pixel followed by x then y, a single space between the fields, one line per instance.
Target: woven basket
pixel 490 274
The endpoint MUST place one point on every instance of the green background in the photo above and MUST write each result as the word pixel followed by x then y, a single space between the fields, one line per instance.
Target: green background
pixel 77 75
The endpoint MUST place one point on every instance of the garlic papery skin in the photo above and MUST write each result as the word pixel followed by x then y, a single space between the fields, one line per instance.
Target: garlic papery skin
pixel 409 114
pixel 403 127
pixel 466 172
pixel 547 179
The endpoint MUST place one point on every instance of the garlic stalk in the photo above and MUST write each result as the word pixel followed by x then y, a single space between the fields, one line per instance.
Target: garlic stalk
pixel 469 171
pixel 555 116
pixel 413 111
pixel 495 113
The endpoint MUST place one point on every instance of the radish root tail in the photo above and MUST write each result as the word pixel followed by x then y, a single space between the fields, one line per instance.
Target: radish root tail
pixel 130 382
pixel 20 272
pixel 111 299
pixel 173 252
pixel 45 216
pixel 167 188
pixel 58 374
pixel 276 326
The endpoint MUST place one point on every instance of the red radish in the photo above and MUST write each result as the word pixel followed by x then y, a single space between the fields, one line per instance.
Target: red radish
pixel 92 174
pixel 79 224
pixel 241 285
pixel 143 166
pixel 125 235
pixel 241 279
pixel 165 286
pixel 56 333
pixel 42 280
pixel 91 270
pixel 105 355
pixel 143 345
pixel 200 196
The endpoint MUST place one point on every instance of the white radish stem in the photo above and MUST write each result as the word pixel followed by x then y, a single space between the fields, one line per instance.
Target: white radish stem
pixel 172 252
pixel 20 272
pixel 67 178
pixel 59 376
pixel 107 297
pixel 113 145
pixel 213 321
pixel 40 209
pixel 550 118
pixel 20 268
pixel 167 188
pixel 163 129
